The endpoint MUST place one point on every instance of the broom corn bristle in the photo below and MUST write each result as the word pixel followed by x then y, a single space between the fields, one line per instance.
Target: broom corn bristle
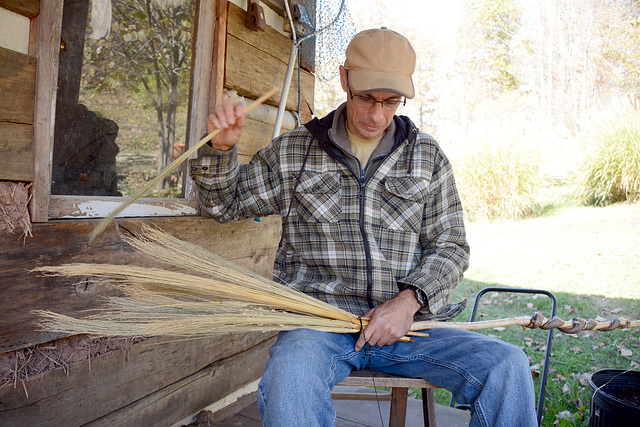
pixel 208 295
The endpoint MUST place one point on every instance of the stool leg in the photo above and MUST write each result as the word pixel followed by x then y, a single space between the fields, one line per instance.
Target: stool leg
pixel 428 407
pixel 398 406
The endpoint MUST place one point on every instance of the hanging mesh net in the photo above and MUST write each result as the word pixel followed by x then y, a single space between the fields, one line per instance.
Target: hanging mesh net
pixel 324 29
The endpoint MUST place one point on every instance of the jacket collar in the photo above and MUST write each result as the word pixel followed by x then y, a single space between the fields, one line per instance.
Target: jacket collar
pixel 401 128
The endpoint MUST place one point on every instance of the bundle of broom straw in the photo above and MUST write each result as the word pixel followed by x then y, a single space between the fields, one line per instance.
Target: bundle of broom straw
pixel 214 296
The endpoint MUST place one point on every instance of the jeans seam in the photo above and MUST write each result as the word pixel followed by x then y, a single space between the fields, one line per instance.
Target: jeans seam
pixel 479 414
pixel 455 368
pixel 337 359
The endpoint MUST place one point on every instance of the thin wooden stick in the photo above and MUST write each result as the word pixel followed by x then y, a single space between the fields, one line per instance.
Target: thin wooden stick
pixel 572 326
pixel 102 225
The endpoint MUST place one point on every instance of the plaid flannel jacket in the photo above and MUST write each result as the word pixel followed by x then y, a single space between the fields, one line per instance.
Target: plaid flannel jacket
pixel 351 240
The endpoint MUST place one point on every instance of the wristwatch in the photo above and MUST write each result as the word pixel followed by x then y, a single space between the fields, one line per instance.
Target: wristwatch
pixel 421 297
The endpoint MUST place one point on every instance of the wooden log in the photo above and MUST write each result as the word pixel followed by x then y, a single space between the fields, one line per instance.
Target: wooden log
pixel 17 86
pixel 269 57
pixel 28 8
pixel 255 136
pixel 17 147
pixel 276 6
pixel 156 383
pixel 248 243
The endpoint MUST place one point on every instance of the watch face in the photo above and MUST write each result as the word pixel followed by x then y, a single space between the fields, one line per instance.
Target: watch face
pixel 420 297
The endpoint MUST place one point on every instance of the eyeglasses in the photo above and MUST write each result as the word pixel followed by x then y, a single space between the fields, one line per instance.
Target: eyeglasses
pixel 369 102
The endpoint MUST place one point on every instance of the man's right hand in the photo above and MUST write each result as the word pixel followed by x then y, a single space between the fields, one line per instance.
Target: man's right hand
pixel 230 118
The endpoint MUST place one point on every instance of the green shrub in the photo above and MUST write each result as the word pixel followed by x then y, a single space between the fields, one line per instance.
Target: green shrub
pixel 498 179
pixel 610 169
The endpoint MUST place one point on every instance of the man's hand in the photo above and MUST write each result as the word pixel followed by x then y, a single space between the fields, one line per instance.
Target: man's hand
pixel 230 118
pixel 389 321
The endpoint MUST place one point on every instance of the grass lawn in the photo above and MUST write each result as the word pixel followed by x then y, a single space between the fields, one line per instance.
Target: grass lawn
pixel 589 258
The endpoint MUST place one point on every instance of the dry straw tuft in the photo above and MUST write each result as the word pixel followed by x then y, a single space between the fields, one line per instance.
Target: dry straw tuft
pixel 212 296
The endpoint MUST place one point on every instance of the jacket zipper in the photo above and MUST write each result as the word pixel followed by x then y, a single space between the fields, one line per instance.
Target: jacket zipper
pixel 367 248
pixel 361 219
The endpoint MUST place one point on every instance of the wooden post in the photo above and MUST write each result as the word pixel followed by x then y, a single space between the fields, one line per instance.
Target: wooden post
pixel 219 54
pixel 47 49
pixel 398 406
pixel 202 56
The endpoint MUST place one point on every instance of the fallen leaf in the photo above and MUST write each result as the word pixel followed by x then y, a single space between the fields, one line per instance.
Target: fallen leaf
pixel 626 352
pixel 561 377
pixel 566 389
pixel 495 295
pixel 508 301
pixel 571 309
pixel 617 310
pixel 600 319
pixel 584 379
pixel 576 350
pixel 530 305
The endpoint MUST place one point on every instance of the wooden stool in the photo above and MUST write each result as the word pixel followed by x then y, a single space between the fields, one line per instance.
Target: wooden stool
pixel 398 397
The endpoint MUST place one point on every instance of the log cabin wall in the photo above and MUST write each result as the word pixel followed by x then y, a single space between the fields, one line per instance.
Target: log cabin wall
pixel 156 381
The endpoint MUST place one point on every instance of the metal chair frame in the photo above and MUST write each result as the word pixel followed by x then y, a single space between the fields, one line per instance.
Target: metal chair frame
pixel 545 370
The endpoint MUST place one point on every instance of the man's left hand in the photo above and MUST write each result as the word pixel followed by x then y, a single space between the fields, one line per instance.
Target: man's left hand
pixel 389 321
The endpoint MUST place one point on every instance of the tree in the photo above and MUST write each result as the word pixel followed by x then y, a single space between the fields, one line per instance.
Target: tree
pixel 490 27
pixel 149 49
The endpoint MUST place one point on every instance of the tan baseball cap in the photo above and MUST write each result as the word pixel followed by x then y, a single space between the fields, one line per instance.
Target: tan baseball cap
pixel 381 60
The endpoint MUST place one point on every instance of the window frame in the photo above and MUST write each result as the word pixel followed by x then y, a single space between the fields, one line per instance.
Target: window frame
pixel 45 35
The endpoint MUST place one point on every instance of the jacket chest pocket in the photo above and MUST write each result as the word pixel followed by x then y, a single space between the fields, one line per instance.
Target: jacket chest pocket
pixel 402 203
pixel 318 197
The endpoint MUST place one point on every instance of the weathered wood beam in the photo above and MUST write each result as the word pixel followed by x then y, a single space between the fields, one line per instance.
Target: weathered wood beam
pixel 17 86
pixel 47 48
pixel 248 243
pixel 158 382
pixel 201 61
pixel 219 54
pixel 257 61
pixel 17 90
pixel 28 8
pixel 17 147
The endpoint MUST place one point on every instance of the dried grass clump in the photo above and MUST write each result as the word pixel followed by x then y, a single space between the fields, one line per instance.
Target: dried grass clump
pixel 14 212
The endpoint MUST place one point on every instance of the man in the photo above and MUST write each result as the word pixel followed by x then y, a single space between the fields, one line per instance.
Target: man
pixel 372 223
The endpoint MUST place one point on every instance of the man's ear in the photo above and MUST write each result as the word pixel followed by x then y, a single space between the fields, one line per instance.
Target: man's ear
pixel 344 80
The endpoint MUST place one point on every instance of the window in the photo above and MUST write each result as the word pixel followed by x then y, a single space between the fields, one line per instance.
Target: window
pixel 122 105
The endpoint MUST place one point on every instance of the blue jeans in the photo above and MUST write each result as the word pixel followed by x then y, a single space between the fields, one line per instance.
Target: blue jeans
pixel 490 375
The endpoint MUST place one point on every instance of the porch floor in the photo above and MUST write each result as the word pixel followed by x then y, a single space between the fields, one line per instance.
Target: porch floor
pixel 358 413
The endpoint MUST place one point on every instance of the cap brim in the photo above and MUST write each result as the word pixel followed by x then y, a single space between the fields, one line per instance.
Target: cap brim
pixel 366 81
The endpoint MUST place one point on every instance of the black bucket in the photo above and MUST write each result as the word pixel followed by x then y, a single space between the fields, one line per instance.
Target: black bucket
pixel 607 410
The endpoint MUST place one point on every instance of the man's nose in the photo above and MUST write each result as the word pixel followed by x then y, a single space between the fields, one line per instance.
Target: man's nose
pixel 375 112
